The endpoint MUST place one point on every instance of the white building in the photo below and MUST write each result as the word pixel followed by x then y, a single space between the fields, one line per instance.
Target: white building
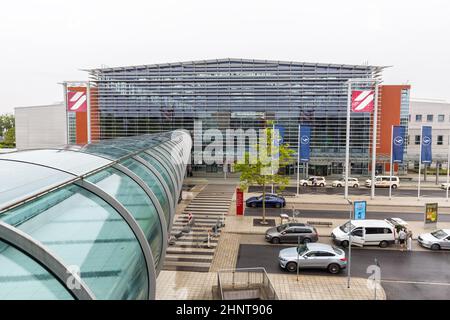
pixel 434 113
pixel 40 126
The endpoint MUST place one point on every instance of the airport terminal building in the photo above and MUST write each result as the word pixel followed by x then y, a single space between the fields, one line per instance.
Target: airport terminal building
pixel 240 94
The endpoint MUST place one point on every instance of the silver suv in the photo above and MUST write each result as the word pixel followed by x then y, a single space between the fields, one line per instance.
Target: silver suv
pixel 290 233
pixel 313 256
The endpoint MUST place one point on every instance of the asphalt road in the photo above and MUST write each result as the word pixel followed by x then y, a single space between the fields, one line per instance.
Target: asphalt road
pixel 422 275
pixel 400 192
pixel 329 214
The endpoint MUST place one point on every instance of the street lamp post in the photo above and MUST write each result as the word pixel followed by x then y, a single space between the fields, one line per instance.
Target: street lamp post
pixel 298 256
pixel 349 244
pixel 350 82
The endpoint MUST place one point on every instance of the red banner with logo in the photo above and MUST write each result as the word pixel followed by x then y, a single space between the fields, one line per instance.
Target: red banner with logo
pixel 239 202
pixel 363 100
pixel 77 99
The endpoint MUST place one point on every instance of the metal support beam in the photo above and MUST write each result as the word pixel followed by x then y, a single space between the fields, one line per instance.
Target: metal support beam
pixel 34 249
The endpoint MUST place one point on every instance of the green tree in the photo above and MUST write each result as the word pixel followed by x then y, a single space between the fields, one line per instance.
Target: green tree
pixel 259 171
pixel 6 123
pixel 10 138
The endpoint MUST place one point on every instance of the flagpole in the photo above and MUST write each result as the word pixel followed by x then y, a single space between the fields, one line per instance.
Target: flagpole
pixel 420 164
pixel 390 163
pixel 271 166
pixel 298 162
pixel 448 166
pixel 374 140
pixel 347 140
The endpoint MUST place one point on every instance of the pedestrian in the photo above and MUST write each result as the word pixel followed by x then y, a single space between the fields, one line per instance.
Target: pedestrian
pixel 402 238
pixel 409 241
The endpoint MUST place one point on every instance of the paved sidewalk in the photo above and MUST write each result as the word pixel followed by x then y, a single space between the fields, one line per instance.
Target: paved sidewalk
pixel 182 285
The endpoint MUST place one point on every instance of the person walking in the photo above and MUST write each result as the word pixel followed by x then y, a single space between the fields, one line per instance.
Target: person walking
pixel 409 241
pixel 402 238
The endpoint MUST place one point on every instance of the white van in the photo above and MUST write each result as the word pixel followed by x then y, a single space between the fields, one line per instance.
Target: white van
pixel 384 181
pixel 365 233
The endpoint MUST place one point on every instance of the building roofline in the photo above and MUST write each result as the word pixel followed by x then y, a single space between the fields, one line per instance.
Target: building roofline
pixel 232 60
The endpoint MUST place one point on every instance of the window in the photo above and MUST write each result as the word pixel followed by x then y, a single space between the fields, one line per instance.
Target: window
pixel 429 118
pixel 324 254
pixel 418 118
pixel 441 118
pixel 440 140
pixel 302 230
pixel 357 232
pixel 417 139
pixel 312 254
pixel 372 230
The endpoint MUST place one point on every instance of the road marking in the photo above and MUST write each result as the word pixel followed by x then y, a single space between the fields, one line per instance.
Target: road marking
pixel 417 282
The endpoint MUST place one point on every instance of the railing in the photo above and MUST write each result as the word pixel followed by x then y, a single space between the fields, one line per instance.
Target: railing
pixel 244 279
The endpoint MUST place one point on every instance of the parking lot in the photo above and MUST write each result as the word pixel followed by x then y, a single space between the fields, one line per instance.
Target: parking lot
pixel 405 275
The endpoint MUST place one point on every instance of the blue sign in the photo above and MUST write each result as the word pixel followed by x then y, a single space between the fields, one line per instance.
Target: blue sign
pixel 304 139
pixel 398 144
pixel 425 156
pixel 280 139
pixel 359 209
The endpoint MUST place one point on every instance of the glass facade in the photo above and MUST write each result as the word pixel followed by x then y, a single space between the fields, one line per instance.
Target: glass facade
pixel 236 94
pixel 50 200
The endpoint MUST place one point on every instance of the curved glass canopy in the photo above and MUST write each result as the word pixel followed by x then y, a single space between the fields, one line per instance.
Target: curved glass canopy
pixel 102 209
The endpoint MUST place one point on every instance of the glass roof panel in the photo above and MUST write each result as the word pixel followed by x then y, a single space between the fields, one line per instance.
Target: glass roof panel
pixel 19 180
pixel 152 182
pixel 161 169
pixel 136 201
pixel 77 163
pixel 22 278
pixel 87 233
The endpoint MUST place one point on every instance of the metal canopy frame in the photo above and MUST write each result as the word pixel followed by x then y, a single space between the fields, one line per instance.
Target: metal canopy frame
pixel 48 260
pixel 44 257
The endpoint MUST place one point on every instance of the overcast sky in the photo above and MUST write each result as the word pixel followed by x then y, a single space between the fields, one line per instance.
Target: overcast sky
pixel 44 42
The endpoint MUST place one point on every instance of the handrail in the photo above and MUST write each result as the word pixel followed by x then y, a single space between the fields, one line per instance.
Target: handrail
pixel 248 281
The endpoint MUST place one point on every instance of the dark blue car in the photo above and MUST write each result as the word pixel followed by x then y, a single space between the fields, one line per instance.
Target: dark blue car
pixel 272 200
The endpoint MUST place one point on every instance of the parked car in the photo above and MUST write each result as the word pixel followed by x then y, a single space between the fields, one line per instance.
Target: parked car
pixel 445 186
pixel 384 181
pixel 314 256
pixel 314 182
pixel 290 232
pixel 436 240
pixel 272 200
pixel 365 232
pixel 352 182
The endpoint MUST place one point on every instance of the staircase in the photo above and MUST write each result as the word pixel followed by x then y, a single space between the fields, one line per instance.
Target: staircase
pixel 191 252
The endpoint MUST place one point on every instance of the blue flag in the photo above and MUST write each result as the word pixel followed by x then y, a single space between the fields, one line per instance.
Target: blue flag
pixel 280 129
pixel 425 156
pixel 304 142
pixel 398 144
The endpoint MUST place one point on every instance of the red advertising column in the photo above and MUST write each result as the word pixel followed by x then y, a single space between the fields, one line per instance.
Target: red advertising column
pixel 239 202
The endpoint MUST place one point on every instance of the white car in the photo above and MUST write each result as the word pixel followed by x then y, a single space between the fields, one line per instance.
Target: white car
pixel 436 240
pixel 352 182
pixel 314 182
pixel 445 186
pixel 384 181
pixel 365 232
